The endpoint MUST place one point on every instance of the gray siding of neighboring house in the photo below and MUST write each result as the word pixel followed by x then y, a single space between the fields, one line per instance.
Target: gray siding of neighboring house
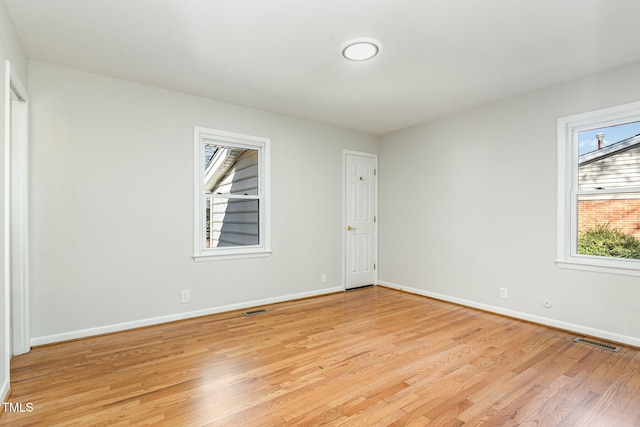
pixel 619 170
pixel 235 222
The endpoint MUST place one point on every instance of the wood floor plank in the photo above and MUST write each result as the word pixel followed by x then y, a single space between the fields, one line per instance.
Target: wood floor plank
pixel 373 356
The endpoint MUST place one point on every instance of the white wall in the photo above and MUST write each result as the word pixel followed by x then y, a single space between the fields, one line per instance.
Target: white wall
pixel 468 205
pixel 112 208
pixel 10 49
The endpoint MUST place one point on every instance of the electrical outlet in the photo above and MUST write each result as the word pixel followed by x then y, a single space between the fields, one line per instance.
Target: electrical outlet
pixel 185 296
pixel 323 278
pixel 504 293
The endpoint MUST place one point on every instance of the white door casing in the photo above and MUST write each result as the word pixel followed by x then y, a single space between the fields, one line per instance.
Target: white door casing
pixel 17 211
pixel 360 231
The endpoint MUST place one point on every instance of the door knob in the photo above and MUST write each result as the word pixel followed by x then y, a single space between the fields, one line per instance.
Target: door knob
pixel 350 228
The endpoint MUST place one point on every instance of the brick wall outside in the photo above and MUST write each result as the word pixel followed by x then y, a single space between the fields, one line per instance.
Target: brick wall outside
pixel 623 215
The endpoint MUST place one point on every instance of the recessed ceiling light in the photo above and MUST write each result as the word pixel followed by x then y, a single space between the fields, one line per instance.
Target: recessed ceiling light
pixel 361 49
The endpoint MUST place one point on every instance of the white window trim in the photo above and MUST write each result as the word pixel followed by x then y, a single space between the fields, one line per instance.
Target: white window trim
pixel 203 135
pixel 568 127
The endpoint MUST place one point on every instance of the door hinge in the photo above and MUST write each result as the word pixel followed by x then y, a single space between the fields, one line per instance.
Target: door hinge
pixel 374 265
pixel 374 219
pixel 375 172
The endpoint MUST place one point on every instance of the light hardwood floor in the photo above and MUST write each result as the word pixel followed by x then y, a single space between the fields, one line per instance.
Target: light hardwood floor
pixel 373 356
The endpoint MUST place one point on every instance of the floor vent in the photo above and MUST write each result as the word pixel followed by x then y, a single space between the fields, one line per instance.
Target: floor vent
pixel 254 312
pixel 598 344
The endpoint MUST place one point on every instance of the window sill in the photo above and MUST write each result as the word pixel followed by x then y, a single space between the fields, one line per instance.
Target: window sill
pixel 233 254
pixel 601 266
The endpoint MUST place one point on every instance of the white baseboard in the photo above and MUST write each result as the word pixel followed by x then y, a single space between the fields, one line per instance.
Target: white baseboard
pixel 83 333
pixel 584 330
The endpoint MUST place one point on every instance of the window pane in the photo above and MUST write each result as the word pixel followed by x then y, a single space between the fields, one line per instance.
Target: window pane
pixel 230 170
pixel 609 157
pixel 231 222
pixel 609 225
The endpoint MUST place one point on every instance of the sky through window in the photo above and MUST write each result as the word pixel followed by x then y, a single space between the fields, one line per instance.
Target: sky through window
pixel 612 134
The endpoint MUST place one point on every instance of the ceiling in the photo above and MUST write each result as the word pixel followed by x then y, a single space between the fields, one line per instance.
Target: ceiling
pixel 438 56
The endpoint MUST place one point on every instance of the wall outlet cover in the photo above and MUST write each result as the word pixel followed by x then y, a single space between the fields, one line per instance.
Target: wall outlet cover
pixel 185 297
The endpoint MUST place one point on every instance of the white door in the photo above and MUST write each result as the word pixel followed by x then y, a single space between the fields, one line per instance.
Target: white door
pixel 360 220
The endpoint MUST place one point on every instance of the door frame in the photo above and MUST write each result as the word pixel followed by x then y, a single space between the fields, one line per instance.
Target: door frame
pixel 373 156
pixel 17 280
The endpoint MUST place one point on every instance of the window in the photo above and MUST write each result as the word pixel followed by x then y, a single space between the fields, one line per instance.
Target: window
pixel 231 195
pixel 599 190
